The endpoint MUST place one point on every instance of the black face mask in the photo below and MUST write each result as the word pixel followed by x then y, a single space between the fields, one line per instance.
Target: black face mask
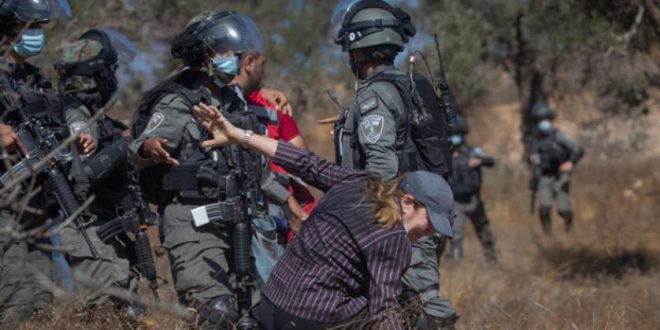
pixel 98 98
pixel 356 65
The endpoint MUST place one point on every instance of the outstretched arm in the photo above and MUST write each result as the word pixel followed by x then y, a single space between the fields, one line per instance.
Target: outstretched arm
pixel 309 166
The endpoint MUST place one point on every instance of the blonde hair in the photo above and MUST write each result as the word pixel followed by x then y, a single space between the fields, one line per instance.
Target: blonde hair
pixel 385 196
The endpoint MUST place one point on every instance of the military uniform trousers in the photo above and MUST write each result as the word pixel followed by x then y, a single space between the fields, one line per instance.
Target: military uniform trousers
pixel 25 277
pixel 199 257
pixel 475 210
pixel 94 277
pixel 555 188
pixel 423 276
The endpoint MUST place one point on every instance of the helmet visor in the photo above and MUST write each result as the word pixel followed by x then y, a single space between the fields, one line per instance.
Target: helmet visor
pixel 124 47
pixel 232 32
pixel 38 11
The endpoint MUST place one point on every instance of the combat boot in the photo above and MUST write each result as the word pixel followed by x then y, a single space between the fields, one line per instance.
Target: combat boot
pixel 219 313
pixel 546 221
pixel 568 220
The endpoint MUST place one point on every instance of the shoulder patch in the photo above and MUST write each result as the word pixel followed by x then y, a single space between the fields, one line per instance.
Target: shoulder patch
pixel 372 127
pixel 79 127
pixel 155 121
pixel 369 104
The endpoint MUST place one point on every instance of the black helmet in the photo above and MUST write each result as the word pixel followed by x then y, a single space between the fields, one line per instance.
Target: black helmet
pixel 369 23
pixel 89 64
pixel 461 127
pixel 217 32
pixel 34 11
pixel 16 12
pixel 542 111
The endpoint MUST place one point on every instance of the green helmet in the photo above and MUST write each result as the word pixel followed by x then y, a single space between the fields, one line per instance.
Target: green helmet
pixel 369 23
pixel 542 111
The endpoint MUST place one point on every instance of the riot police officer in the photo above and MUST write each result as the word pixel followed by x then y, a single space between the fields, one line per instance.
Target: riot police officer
pixel 88 82
pixel 25 269
pixel 553 155
pixel 376 132
pixel 467 162
pixel 183 178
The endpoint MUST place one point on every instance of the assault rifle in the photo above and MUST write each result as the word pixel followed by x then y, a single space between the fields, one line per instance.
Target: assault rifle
pixel 447 100
pixel 42 145
pixel 135 218
pixel 237 206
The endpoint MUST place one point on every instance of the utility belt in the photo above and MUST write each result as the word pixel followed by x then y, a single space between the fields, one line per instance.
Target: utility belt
pixel 189 183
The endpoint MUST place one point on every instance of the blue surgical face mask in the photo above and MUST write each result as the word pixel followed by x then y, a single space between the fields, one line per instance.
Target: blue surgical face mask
pixel 31 44
pixel 545 126
pixel 456 140
pixel 226 65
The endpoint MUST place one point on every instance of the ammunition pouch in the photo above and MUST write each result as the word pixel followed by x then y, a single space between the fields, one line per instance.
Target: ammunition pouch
pixel 221 213
pixel 273 186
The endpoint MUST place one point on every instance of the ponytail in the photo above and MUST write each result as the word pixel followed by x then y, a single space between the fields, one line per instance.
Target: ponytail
pixel 385 195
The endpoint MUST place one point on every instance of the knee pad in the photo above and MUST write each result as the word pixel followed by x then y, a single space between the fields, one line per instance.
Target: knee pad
pixel 220 311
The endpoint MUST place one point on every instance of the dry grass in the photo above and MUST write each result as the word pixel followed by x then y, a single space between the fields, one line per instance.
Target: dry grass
pixel 604 275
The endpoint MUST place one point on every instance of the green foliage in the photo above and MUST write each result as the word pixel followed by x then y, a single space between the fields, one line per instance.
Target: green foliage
pixel 463 37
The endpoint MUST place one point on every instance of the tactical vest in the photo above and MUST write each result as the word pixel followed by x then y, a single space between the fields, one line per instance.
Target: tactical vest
pixel 552 153
pixel 203 176
pixel 467 180
pixel 421 140
pixel 112 190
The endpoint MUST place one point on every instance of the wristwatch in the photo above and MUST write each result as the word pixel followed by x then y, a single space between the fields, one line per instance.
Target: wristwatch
pixel 247 135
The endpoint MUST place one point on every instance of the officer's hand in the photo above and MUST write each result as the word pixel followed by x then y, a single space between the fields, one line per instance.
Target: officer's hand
pixel 85 144
pixel 153 149
pixel 566 167
pixel 223 131
pixel 278 98
pixel 329 120
pixel 9 139
pixel 474 162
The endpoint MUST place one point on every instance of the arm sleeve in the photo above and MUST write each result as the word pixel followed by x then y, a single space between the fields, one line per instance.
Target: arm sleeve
pixel 387 259
pixel 377 136
pixel 574 149
pixel 288 127
pixel 311 168
pixel 80 116
pixel 167 121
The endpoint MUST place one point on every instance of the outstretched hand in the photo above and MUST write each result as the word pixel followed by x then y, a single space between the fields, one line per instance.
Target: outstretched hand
pixel 278 99
pixel 223 131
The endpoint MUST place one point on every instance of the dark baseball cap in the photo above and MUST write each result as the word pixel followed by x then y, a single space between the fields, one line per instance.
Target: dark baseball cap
pixel 434 192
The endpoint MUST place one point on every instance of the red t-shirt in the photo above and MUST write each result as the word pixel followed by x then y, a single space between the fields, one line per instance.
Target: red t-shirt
pixel 287 129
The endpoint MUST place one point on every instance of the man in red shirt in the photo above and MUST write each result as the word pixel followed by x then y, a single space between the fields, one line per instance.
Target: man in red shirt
pixel 301 202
